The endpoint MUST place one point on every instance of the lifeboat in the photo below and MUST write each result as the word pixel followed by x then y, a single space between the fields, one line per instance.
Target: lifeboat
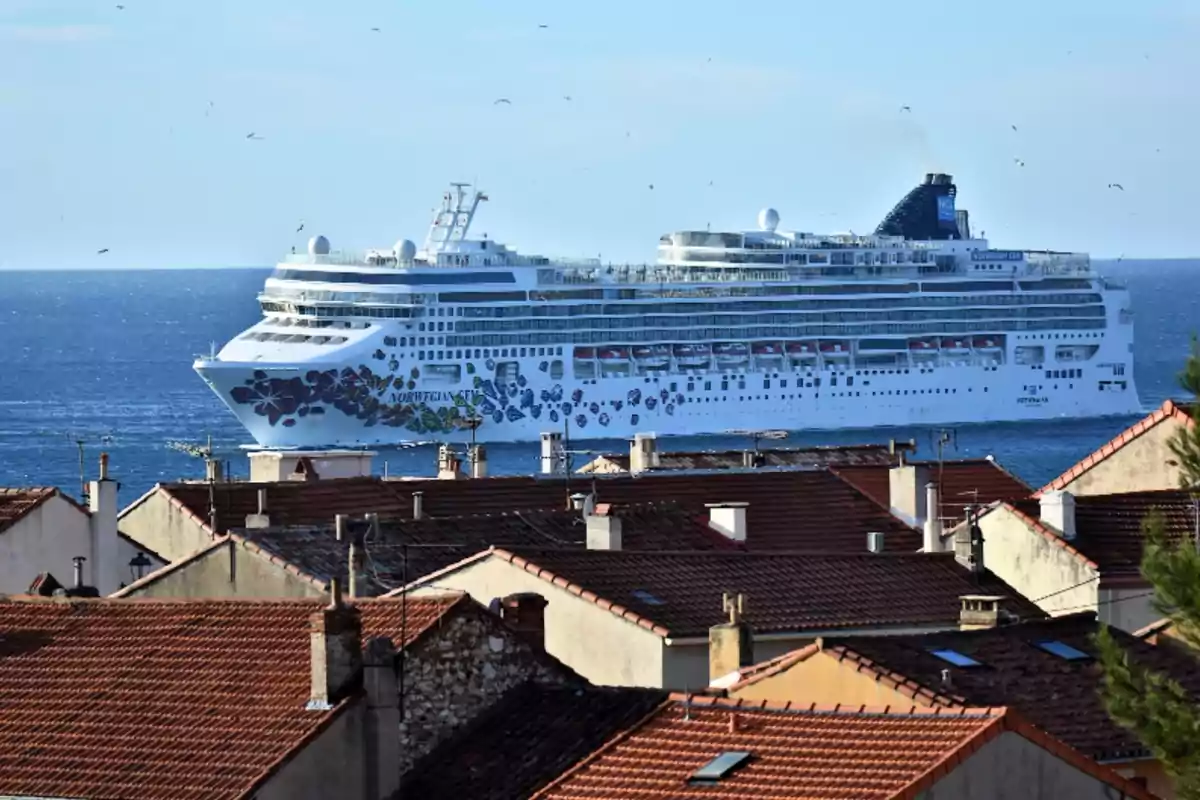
pixel 654 355
pixel 923 344
pixel 613 353
pixel 731 353
pixel 766 349
pixel 801 348
pixel 986 343
pixel 585 353
pixel 692 355
pixel 956 345
pixel 835 349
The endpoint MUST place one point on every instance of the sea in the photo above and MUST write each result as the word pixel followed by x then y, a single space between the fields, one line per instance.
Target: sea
pixel 95 361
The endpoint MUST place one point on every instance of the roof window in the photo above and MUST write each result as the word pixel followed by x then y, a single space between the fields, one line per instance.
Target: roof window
pixel 956 658
pixel 646 597
pixel 719 768
pixel 1064 651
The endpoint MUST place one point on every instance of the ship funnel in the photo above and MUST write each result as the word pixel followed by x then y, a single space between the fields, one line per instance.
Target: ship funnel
pixel 926 213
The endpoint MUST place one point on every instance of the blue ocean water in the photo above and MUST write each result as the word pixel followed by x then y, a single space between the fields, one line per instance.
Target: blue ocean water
pixel 104 357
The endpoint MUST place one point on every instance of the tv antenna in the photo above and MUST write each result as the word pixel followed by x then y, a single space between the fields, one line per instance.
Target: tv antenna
pixel 81 441
pixel 942 438
pixel 757 435
pixel 212 472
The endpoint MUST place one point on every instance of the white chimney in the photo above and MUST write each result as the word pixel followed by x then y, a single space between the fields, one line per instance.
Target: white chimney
pixel 1058 511
pixel 728 519
pixel 906 492
pixel 448 463
pixel 875 542
pixel 261 519
pixel 643 452
pixel 418 505
pixel 477 456
pixel 603 529
pixel 102 529
pixel 933 521
pixel 552 452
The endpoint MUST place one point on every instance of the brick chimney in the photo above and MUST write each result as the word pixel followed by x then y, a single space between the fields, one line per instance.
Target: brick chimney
pixel 730 644
pixel 933 520
pixel 525 612
pixel 261 519
pixel 603 529
pixel 979 611
pixel 728 519
pixel 1058 511
pixel 337 662
pixel 107 572
pixel 906 492
pixel 643 452
pixel 382 751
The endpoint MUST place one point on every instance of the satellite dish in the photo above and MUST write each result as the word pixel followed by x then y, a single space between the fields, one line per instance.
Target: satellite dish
pixel 318 246
pixel 404 250
pixel 768 219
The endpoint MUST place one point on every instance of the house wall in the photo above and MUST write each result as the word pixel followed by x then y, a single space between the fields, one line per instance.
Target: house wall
pixel 45 540
pixel 230 570
pixel 594 642
pixel 1128 608
pixel 331 765
pixel 1035 566
pixel 163 527
pixel 1010 767
pixel 686 667
pixel 126 550
pixel 823 679
pixel 1139 466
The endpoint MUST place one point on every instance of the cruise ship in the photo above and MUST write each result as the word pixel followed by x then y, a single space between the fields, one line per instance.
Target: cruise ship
pixel 919 323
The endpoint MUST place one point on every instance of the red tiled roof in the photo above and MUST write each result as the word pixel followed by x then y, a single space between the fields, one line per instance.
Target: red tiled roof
pixel 526 740
pixel 788 510
pixel 679 594
pixel 959 482
pixel 15 504
pixel 1180 412
pixel 804 753
pixel 186 700
pixel 1060 696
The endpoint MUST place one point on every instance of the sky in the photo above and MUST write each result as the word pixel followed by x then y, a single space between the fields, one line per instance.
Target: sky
pixel 126 129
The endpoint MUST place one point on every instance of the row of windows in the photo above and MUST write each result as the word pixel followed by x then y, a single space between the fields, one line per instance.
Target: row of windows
pixel 434 278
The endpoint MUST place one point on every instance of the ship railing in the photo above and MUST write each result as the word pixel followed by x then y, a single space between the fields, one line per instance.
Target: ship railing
pixel 339 298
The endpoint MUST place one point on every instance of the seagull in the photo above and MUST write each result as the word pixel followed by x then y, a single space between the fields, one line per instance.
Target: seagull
pixel 120 8
pixel 567 97
pixel 376 30
pixel 1116 186
pixel 1014 127
pixel 906 108
pixel 253 135
pixel 301 227
pixel 543 26
pixel 102 251
pixel 652 187
pixel 502 100
pixel 1018 162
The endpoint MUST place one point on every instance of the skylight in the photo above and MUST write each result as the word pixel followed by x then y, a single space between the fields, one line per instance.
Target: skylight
pixel 720 767
pixel 956 658
pixel 1063 651
pixel 646 597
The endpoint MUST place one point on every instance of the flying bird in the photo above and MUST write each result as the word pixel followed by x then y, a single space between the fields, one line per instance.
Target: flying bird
pixel 1018 162
pixel 253 135
pixel 375 29
pixel 1014 127
pixel 567 97
pixel 119 8
pixel 1116 186
pixel 504 100
pixel 652 187
pixel 543 26
pixel 300 228
pixel 102 251
pixel 906 108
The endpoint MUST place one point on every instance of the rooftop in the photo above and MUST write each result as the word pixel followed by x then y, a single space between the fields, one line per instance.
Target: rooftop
pixel 186 700
pixel 526 740
pixel 784 752
pixel 766 458
pixel 679 594
pixel 15 504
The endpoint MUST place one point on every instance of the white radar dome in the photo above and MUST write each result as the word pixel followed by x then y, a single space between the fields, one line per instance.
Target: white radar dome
pixel 405 250
pixel 768 219
pixel 318 246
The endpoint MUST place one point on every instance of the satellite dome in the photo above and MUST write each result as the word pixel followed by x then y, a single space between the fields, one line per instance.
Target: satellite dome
pixel 404 250
pixel 318 246
pixel 768 219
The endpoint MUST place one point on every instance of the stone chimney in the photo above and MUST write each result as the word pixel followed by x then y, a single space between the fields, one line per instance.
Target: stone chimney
pixel 603 529
pixel 906 492
pixel 382 751
pixel 336 637
pixel 1058 511
pixel 728 519
pixel 449 464
pixel 552 452
pixel 261 519
pixel 730 644
pixel 979 611
pixel 107 572
pixel 525 612
pixel 477 460
pixel 643 452
pixel 933 520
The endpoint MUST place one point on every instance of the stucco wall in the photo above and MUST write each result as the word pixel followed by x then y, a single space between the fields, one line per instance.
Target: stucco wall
pixel 45 540
pixel 823 679
pixel 594 642
pixel 1010 767
pixel 1035 566
pixel 686 665
pixel 332 765
pixel 1139 466
pixel 1128 609
pixel 229 570
pixel 163 527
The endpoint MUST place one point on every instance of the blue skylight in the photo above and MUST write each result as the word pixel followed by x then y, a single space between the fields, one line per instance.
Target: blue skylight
pixel 1064 651
pixel 956 658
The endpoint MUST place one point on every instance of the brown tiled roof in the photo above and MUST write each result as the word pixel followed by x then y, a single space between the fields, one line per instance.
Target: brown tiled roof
pixel 152 699
pixel 526 740
pixel 788 509
pixel 1170 409
pixel 959 482
pixel 776 458
pixel 679 594
pixel 801 753
pixel 1060 696
pixel 16 503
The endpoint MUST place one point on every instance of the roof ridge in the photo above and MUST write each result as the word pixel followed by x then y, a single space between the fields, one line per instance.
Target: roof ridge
pixel 450 595
pixel 848 709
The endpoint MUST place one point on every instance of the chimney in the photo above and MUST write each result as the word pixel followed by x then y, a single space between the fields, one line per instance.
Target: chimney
pixel 261 519
pixel 730 644
pixel 80 589
pixel 107 571
pixel 552 452
pixel 979 611
pixel 906 492
pixel 525 612
pixel 875 542
pixel 728 519
pixel 354 562
pixel 449 464
pixel 1058 511
pixel 933 520
pixel 477 459
pixel 603 529
pixel 214 471
pixel 643 452
pixel 751 459
pixel 418 505
pixel 336 666
pixel 382 753
pixel 968 542
pixel 78 562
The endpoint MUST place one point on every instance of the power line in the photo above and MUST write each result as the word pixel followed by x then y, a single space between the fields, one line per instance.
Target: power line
pixel 1069 588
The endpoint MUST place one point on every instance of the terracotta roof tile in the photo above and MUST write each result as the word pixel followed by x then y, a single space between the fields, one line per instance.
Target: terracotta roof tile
pixel 16 503
pixel 527 740
pixel 162 699
pixel 800 753
pixel 1170 409
pixel 959 482
pixel 679 594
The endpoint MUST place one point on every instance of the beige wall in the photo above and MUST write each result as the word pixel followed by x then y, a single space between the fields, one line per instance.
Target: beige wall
pixel 228 570
pixel 163 527
pixel 594 642
pixel 822 679
pixel 1141 465
pixel 1010 767
pixel 45 540
pixel 686 665
pixel 1035 566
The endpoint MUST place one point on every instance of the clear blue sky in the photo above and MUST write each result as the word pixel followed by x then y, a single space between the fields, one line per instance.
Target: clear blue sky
pixel 107 138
